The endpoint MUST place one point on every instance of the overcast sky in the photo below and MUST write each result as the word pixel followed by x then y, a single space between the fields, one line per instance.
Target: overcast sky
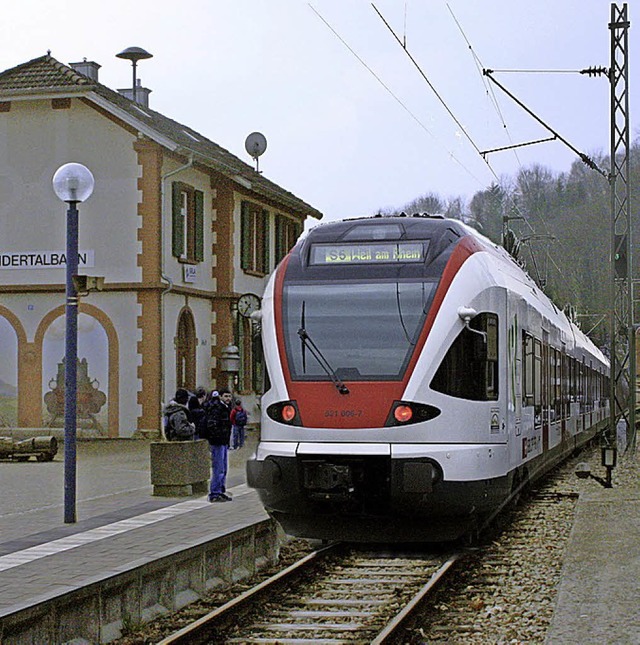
pixel 336 137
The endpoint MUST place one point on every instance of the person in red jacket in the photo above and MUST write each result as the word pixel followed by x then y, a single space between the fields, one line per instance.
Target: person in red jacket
pixel 238 418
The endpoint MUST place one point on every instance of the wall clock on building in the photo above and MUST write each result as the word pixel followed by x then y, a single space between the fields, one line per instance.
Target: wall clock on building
pixel 248 303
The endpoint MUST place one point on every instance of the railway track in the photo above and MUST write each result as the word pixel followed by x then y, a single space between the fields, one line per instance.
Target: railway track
pixel 331 596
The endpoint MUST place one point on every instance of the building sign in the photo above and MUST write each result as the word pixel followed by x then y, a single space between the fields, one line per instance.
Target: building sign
pixel 190 272
pixel 43 259
pixel 367 253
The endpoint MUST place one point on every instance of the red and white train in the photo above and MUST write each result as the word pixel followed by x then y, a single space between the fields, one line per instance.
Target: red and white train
pixel 417 379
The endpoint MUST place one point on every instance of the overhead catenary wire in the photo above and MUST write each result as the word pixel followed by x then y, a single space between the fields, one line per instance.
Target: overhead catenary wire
pixel 450 112
pixel 452 156
pixel 426 78
pixel 489 88
pixel 479 66
pixel 368 68
pixel 482 155
pixel 402 43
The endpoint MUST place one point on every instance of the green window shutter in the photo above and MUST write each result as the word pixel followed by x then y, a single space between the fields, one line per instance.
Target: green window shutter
pixel 177 222
pixel 266 243
pixel 280 243
pixel 245 235
pixel 199 226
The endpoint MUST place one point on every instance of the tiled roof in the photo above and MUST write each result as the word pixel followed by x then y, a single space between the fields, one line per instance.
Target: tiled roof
pixel 44 73
pixel 47 75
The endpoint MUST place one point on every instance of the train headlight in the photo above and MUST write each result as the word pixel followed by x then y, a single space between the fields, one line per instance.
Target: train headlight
pixel 288 413
pixel 285 412
pixel 404 413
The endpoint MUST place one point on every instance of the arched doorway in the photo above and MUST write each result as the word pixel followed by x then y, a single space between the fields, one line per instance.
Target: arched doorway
pixel 186 351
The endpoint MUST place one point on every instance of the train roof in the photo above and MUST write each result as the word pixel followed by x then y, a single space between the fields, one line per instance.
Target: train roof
pixel 380 227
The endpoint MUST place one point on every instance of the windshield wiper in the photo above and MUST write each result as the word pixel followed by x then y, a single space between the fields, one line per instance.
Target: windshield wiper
pixel 317 354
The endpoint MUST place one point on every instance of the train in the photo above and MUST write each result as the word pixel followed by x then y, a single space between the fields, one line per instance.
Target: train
pixel 417 379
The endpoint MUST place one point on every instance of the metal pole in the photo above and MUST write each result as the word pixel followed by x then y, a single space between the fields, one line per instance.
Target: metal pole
pixel 135 81
pixel 623 358
pixel 70 368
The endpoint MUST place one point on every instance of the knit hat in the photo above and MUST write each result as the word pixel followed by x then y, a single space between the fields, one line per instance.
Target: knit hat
pixel 181 396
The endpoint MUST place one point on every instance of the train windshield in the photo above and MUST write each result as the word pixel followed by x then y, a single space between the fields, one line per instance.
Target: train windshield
pixel 364 330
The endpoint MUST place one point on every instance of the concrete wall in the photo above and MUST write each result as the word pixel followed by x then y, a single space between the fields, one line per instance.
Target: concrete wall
pixel 102 610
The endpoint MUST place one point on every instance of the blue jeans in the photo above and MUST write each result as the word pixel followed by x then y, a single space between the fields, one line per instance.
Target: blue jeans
pixel 218 470
pixel 237 437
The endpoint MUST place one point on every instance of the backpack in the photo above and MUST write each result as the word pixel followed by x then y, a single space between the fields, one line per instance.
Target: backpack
pixel 178 427
pixel 241 417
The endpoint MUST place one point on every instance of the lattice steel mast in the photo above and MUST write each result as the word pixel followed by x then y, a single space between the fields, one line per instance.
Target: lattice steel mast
pixel 622 329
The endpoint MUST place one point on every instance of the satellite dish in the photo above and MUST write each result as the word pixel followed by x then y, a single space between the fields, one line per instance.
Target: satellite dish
pixel 255 144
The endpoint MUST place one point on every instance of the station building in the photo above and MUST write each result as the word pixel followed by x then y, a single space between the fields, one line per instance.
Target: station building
pixel 178 227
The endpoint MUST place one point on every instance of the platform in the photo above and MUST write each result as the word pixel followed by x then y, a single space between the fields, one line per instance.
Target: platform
pixel 140 555
pixel 599 591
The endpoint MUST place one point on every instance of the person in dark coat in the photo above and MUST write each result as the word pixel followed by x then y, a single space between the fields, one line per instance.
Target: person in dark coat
pixel 197 411
pixel 218 410
pixel 177 419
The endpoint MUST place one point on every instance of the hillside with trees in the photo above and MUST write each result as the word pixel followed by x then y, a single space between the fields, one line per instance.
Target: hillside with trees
pixel 559 227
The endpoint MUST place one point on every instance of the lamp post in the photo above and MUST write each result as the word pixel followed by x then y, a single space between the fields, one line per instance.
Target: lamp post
pixel 230 363
pixel 72 183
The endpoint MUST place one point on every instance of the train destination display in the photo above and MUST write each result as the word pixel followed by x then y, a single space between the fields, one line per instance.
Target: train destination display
pixel 367 253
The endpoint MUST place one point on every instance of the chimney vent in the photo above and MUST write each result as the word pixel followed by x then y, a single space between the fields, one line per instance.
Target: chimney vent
pixel 141 94
pixel 87 68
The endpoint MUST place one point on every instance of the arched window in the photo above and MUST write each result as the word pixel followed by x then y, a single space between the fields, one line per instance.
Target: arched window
pixel 186 351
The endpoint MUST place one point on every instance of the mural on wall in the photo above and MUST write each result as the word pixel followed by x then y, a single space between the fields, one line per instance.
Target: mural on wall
pixel 8 375
pixel 92 388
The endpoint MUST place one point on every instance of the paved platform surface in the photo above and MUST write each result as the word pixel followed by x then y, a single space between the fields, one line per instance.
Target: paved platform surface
pixel 599 596
pixel 119 520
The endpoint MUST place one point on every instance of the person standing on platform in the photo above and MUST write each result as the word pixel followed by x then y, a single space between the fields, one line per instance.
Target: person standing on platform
pixel 198 415
pixel 177 419
pixel 218 410
pixel 238 419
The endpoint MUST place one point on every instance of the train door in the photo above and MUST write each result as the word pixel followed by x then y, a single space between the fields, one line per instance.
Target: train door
pixel 513 380
pixel 555 389
pixel 564 393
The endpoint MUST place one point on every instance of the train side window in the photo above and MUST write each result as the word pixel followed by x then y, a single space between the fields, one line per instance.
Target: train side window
pixel 537 386
pixel 469 369
pixel 528 369
pixel 557 384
